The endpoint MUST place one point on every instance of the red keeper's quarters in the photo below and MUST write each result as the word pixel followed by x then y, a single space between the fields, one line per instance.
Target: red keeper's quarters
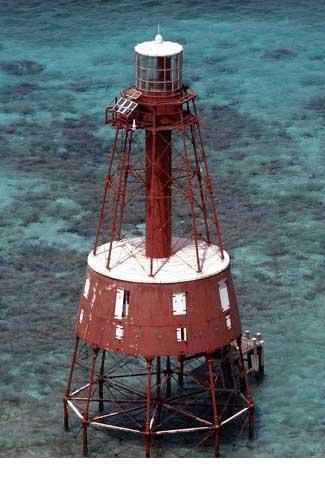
pixel 158 344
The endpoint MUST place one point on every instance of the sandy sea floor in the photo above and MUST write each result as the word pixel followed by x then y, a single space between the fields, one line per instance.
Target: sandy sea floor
pixel 259 70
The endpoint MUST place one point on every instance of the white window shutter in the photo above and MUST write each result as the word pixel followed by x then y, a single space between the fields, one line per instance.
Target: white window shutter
pixel 181 334
pixel 119 303
pixel 179 303
pixel 224 296
pixel 119 332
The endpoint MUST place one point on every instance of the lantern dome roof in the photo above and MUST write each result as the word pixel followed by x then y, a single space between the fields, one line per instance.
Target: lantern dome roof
pixel 158 47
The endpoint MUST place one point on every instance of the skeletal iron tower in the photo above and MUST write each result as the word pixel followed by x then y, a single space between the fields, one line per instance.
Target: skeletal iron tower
pixel 158 329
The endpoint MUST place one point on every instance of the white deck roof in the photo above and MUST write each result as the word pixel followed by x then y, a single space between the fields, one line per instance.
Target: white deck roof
pixel 129 263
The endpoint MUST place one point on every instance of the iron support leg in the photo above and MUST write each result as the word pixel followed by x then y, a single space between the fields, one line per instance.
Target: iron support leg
pixel 199 178
pixel 180 370
pixel 190 196
pixel 108 184
pixel 148 409
pixel 168 383
pixel 117 198
pixel 214 406
pixel 85 421
pixel 66 416
pixel 158 389
pixel 68 388
pixel 85 439
pixel 209 187
pixel 101 384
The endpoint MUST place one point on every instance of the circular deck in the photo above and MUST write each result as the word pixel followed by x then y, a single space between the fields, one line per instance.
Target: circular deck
pixel 129 263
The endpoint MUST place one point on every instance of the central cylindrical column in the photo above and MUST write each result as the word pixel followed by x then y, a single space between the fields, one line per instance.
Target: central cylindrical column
pixel 158 194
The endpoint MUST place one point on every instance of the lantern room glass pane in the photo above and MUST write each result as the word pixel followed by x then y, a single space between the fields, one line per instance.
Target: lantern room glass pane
pixel 160 74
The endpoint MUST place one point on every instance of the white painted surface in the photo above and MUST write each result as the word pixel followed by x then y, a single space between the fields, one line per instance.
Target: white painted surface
pixel 158 47
pixel 119 303
pixel 228 322
pixel 224 297
pixel 179 303
pixel 181 334
pixel 87 286
pixel 159 39
pixel 129 263
pixel 119 332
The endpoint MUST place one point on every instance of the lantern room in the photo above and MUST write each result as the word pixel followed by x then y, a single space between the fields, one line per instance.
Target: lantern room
pixel 158 65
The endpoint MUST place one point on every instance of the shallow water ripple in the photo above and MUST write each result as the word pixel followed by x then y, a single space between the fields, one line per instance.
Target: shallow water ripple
pixel 259 70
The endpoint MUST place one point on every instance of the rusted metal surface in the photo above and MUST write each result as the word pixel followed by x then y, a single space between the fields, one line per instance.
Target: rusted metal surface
pixel 150 326
pixel 151 404
pixel 163 120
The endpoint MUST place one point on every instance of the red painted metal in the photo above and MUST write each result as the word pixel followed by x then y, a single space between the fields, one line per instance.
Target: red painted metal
pixel 85 417
pixel 160 116
pixel 216 420
pixel 148 409
pixel 152 331
pixel 158 193
pixel 68 387
pixel 158 170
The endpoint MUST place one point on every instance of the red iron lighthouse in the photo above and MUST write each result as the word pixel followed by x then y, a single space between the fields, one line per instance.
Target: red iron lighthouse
pixel 158 331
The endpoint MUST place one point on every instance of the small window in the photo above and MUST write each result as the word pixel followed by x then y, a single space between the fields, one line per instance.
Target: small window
pixel 126 302
pixel 179 303
pixel 87 286
pixel 181 334
pixel 119 332
pixel 122 301
pixel 224 296
pixel 228 322
pixel 81 316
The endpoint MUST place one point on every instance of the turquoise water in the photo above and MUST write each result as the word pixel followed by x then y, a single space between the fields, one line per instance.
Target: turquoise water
pixel 259 70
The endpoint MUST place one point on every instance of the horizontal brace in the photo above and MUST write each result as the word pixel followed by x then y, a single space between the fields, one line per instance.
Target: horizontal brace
pixel 79 390
pixel 119 428
pixel 234 416
pixel 113 401
pixel 183 430
pixel 74 409
pixel 129 375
